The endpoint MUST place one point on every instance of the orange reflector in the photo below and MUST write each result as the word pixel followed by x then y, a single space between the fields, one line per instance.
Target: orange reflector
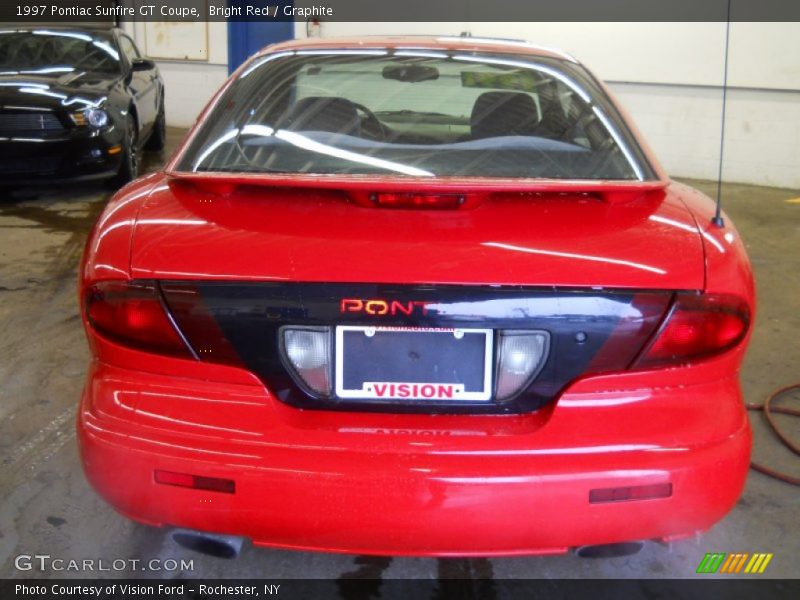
pixel 212 484
pixel 638 492
pixel 115 149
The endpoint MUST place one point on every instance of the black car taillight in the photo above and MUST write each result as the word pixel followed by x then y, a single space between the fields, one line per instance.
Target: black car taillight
pixel 697 327
pixel 133 314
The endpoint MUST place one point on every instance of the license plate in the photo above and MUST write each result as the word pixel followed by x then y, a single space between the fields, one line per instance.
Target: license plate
pixel 414 364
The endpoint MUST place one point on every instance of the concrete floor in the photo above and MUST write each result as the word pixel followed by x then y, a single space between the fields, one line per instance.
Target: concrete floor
pixel 46 506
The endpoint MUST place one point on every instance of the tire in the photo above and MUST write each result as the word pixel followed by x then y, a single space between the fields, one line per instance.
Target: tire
pixel 129 169
pixel 158 137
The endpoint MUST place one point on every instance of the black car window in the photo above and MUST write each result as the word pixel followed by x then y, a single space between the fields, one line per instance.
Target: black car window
pixel 43 50
pixel 128 48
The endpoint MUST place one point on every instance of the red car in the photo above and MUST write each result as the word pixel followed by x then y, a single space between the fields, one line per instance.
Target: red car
pixel 415 296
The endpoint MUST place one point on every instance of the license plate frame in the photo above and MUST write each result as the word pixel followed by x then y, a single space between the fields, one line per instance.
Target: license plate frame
pixel 457 394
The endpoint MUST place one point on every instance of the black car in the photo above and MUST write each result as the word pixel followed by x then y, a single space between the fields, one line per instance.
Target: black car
pixel 76 104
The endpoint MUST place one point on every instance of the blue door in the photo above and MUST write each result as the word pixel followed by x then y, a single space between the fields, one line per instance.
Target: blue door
pixel 248 37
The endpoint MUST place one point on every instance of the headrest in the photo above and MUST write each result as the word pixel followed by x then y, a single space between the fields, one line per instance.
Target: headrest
pixel 503 113
pixel 322 113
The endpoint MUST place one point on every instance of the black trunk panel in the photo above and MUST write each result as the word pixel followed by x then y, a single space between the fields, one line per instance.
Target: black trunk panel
pixel 591 331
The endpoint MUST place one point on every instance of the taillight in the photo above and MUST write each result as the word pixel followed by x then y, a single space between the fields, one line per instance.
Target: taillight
pixel 413 200
pixel 430 201
pixel 698 327
pixel 521 355
pixel 132 313
pixel 308 352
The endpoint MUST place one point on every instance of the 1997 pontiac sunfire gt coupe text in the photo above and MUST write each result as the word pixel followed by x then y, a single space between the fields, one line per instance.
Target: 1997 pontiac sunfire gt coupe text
pixel 416 296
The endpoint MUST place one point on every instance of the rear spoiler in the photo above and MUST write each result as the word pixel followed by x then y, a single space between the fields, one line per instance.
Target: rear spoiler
pixel 359 187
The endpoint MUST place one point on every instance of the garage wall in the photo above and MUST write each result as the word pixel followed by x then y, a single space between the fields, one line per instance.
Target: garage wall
pixel 682 124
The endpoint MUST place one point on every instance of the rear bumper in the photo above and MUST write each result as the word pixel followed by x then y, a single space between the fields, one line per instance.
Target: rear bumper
pixel 415 484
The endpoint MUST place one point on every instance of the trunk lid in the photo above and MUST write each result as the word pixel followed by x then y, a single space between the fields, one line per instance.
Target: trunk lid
pixel 563 235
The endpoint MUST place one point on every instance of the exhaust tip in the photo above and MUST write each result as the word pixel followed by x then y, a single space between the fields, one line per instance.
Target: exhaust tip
pixel 218 546
pixel 610 550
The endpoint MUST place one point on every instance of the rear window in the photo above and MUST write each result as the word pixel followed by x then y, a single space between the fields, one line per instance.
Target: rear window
pixel 416 113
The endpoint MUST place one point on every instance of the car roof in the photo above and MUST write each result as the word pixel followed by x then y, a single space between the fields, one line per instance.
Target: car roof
pixel 427 42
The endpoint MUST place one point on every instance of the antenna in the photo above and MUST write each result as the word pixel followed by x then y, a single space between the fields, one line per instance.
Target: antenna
pixel 717 219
